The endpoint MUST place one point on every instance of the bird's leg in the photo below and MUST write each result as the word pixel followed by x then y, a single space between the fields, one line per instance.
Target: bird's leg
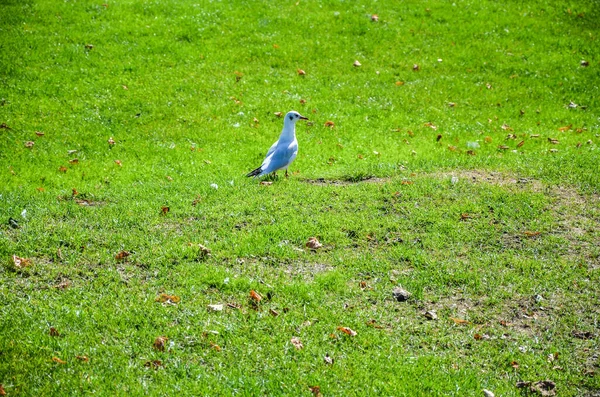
pixel 286 174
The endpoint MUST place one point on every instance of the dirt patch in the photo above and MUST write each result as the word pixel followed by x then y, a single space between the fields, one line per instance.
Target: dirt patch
pixel 493 178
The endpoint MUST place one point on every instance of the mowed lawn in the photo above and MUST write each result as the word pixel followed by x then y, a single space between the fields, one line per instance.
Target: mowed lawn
pixel 451 158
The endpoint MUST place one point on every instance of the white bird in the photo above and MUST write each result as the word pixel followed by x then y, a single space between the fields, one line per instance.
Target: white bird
pixel 284 151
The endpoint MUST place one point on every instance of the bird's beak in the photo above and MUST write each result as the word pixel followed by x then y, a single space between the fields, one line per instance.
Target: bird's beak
pixel 303 118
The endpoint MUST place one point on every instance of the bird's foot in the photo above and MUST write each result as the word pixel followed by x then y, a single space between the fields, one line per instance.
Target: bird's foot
pixel 286 174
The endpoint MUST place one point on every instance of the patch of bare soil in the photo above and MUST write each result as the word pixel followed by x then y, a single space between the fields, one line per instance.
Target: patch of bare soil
pixel 577 215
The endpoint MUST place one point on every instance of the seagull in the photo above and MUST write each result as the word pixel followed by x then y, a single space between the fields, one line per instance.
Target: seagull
pixel 284 151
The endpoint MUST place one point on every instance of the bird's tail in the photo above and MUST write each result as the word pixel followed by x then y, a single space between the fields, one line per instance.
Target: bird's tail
pixel 254 172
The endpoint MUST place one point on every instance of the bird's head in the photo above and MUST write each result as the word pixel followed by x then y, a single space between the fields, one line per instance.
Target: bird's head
pixel 293 116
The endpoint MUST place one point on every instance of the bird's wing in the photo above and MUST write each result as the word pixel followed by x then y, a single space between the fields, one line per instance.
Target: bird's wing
pixel 272 148
pixel 279 158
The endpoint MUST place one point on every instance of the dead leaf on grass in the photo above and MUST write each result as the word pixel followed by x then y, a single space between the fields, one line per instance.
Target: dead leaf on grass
pixel 118 162
pixel 273 312
pixel 266 183
pixel 416 68
pixel 62 169
pixel 531 234
pixel 328 359
pixel 21 263
pixel 166 298
pixel 297 343
pixel 154 364
pixel 565 128
pixel 459 321
pixel 506 127
pixel 58 360
pixel 374 18
pixel 430 315
pixel 2 391
pixel 316 391
pixel 255 296
pixel 54 332
pixel 111 141
pixel 215 346
pixel 329 124
pixel 84 359
pixel 313 243
pixel 29 144
pixel 347 331
pixel 582 334
pixel 160 343
pixel 520 143
pixel 164 210
pixel 514 364
pixel 301 72
pixel 122 255
pixel 356 64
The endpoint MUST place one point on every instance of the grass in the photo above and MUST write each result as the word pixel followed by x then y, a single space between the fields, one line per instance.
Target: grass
pixel 470 207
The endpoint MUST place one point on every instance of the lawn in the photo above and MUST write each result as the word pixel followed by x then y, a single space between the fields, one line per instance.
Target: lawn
pixel 452 152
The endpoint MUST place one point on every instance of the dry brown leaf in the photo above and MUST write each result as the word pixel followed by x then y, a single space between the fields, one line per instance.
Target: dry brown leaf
pixel 302 101
pixel 266 183
pixel 406 182
pixel 535 135
pixel 416 68
pixel 275 46
pixel 2 391
pixel 503 147
pixel 399 83
pixel 111 141
pixel 488 139
pixel 166 298
pixel 84 359
pixel 21 263
pixel 169 178
pixel 506 127
pixel 566 128
pixel 74 192
pixel 273 312
pixel 301 72
pixel 531 234
pixel 278 114
pixel 255 296
pixel 118 162
pixel 330 124
pixel 122 255
pixel 520 143
pixel 234 306
pixel 347 331
pixel 164 210
pixel 62 169
pixel 356 64
pixel 451 104
pixel 39 133
pixel 58 360
pixel 160 343
pixel 89 46
pixel 54 332
pixel 553 141
pixel 452 148
pixel 374 18
pixel 29 144
pixel 459 321
pixel 514 364
pixel 297 343
pixel 313 243
pixel 215 346
pixel 430 125
pixel 154 363
pixel 316 391
pixel 471 152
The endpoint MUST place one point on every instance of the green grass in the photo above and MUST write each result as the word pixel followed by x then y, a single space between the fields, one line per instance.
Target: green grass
pixel 178 84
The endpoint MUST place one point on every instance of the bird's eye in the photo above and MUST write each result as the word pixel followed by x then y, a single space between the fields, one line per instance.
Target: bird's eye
pixel 291 117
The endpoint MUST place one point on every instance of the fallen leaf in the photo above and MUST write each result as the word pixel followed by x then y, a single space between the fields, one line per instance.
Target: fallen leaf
pixel 488 139
pixel 452 148
pixel 122 255
pixel 302 101
pixel 273 312
pixel 464 216
pixel 62 169
pixel 313 243
pixel 347 331
pixel 374 18
pixel 505 323
pixel 553 150
pixel 255 296
pixel 503 147
pixel 514 364
pixel 164 210
pixel 74 192
pixel 471 152
pixel 215 308
pixel 118 162
pixel 266 183
pixel 166 298
pixel 234 306
pixel 406 182
pixel 459 321
pixel 58 360
pixel 2 391
pixel 169 178
pixel 416 68
pixel 85 359
pixel 506 127
pixel 29 144
pixel 154 363
pixel 531 234
pixel 488 86
pixel 278 114
pixel 111 141
pixel 54 332
pixel 565 128
pixel 430 125
pixel 553 141
pixel 89 46
pixel 330 124
pixel 481 337
pixel 399 83
pixel 275 46
pixel 297 343
pixel 39 133
pixel 204 251
pixel 356 64
pixel 430 315
pixel 301 72
pixel 584 63
pixel 160 342
pixel 582 334
pixel 316 391
pixel 520 143
pixel 488 393
pixel 373 323
pixel 328 359
pixel 21 263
